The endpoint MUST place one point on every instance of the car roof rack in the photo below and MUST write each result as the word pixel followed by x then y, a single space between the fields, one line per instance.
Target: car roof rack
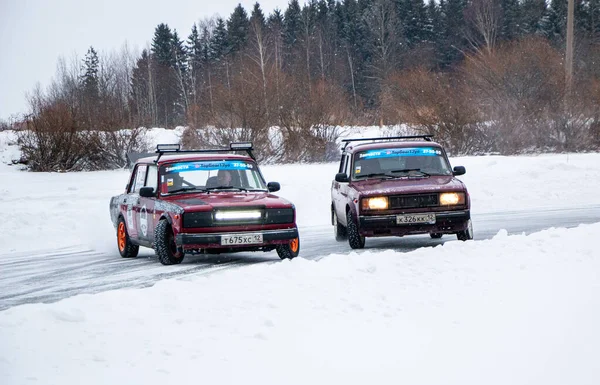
pixel 383 138
pixel 162 149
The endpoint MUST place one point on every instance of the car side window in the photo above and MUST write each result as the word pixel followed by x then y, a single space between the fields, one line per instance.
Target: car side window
pixel 152 177
pixel 140 177
pixel 347 165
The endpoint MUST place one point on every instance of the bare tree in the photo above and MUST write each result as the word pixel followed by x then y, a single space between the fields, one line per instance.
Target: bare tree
pixel 382 22
pixel 260 56
pixel 484 17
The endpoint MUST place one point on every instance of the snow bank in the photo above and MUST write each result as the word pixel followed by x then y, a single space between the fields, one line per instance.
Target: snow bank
pixel 511 310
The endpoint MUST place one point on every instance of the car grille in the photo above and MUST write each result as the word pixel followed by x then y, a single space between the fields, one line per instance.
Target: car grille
pixel 268 217
pixel 413 201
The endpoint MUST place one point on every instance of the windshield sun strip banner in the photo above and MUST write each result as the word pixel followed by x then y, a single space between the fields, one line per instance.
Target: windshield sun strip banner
pixel 208 165
pixel 397 152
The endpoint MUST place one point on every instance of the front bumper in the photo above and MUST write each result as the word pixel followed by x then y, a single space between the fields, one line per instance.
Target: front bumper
pixel 446 222
pixel 213 240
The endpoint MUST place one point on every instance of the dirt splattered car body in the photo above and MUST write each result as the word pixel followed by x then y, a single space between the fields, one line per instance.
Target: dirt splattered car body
pixel 398 186
pixel 202 201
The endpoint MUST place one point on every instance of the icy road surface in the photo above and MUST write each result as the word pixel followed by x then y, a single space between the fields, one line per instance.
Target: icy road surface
pixel 51 275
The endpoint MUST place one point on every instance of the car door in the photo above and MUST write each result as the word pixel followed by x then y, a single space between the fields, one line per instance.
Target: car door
pixel 145 214
pixel 340 190
pixel 130 204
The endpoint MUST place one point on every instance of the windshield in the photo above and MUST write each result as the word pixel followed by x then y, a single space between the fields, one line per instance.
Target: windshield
pixel 210 175
pixel 400 162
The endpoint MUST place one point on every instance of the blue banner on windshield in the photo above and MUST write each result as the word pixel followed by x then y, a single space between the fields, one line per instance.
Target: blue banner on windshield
pixel 208 165
pixel 396 152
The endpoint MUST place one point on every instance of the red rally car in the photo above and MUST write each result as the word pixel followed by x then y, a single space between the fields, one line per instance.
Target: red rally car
pixel 396 186
pixel 202 201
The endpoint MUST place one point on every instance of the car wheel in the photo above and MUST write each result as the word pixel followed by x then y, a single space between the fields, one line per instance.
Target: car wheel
pixel 339 230
pixel 466 235
pixel 355 240
pixel 289 250
pixel 164 244
pixel 126 248
pixel 436 235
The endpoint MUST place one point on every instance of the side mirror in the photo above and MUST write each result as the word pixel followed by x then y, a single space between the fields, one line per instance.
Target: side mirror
pixel 341 177
pixel 147 192
pixel 459 170
pixel 273 186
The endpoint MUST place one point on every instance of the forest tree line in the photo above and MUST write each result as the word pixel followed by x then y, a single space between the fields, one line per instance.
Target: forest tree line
pixel 482 75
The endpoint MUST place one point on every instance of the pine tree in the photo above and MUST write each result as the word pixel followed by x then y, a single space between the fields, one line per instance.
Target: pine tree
pixel 142 94
pixel 382 40
pixel 179 53
pixel 326 38
pixel 162 46
pixel 220 45
pixel 434 19
pixel 593 19
pixel 89 79
pixel 275 37
pixel 194 49
pixel 257 17
pixel 90 101
pixel 167 52
pixel 453 45
pixel 509 27
pixel 413 21
pixel 292 21
pixel 237 29
pixel 532 12
pixel 308 17
pixel 554 22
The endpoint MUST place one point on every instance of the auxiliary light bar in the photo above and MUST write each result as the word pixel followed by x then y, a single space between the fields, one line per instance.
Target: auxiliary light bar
pixel 241 146
pixel 235 146
pixel 168 147
pixel 228 215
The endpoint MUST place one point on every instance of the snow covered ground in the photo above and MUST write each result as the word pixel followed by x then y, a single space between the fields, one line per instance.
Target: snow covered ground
pixel 514 309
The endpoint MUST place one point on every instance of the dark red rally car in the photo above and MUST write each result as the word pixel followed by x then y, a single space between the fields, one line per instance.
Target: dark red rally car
pixel 202 201
pixel 396 186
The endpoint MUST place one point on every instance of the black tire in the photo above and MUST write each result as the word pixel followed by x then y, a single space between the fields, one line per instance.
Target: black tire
pixel 126 248
pixel 340 232
pixel 436 235
pixel 164 244
pixel 355 240
pixel 467 234
pixel 289 250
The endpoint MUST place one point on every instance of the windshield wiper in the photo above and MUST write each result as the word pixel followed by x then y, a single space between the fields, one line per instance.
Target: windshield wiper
pixel 183 189
pixel 412 169
pixel 374 175
pixel 226 188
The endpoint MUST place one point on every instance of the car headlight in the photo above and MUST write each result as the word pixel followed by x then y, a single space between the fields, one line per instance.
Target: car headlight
pixel 375 203
pixel 452 198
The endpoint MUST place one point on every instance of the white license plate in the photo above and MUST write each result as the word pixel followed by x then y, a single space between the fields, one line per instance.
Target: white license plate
pixel 406 219
pixel 241 239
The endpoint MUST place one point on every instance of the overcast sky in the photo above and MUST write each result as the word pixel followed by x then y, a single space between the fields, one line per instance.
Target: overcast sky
pixel 35 33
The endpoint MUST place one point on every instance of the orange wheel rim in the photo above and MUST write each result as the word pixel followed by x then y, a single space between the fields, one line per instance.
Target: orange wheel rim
pixel 121 237
pixel 294 244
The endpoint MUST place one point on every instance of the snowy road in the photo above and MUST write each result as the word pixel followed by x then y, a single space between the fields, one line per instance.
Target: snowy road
pixel 49 276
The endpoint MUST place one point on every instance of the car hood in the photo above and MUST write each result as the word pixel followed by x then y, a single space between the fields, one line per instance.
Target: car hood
pixel 412 185
pixel 229 199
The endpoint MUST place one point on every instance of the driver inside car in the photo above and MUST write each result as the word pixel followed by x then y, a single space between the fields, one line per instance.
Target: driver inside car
pixel 224 178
